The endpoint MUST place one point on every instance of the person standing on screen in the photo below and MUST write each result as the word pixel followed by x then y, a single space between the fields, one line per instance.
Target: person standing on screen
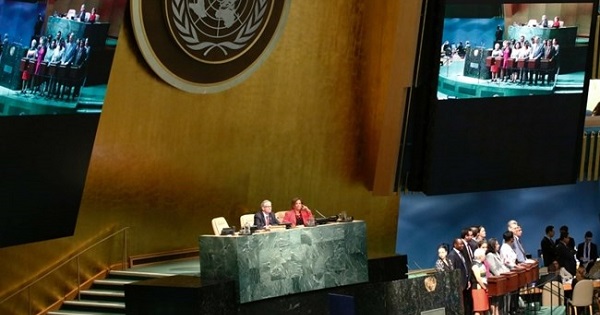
pixel 265 217
pixel 496 54
pixel 537 53
pixel 514 76
pixel 523 56
pixel 505 68
pixel 499 34
pixel 299 214
pixel 26 75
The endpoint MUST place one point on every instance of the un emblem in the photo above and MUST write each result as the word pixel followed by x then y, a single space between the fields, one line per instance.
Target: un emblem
pixel 204 46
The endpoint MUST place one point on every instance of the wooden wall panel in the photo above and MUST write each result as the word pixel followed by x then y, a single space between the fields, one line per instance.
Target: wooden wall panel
pixel 389 46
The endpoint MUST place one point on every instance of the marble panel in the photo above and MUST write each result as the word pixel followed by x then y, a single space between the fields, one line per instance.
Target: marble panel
pixel 265 265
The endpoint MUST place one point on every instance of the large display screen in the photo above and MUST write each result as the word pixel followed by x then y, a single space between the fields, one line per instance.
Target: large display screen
pixel 514 49
pixel 49 109
pixel 485 113
pixel 54 58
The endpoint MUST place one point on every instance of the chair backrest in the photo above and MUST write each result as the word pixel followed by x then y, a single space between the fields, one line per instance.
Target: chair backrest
pixel 552 294
pixel 246 218
pixel 218 224
pixel 583 293
pixel 279 215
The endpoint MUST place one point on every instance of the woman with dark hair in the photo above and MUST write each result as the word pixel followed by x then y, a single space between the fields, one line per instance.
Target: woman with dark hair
pixel 299 214
pixel 443 263
pixel 496 267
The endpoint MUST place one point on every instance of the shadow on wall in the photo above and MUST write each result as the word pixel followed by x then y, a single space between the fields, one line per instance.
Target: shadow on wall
pixel 426 221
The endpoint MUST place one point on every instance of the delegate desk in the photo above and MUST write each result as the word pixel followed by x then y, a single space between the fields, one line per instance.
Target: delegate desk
pixel 270 264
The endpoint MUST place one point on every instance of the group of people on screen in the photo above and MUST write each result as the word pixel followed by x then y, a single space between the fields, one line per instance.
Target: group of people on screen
pixel 478 257
pixel 538 56
pixel 298 214
pixel 53 50
pixel 525 61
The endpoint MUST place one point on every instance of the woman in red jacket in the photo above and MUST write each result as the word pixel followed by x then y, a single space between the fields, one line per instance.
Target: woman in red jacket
pixel 299 214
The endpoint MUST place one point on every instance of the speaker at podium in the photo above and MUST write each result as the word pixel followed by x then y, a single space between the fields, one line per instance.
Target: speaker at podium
pixel 10 76
pixel 475 66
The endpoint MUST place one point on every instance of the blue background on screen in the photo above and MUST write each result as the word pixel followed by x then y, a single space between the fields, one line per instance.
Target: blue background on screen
pixel 424 222
pixel 17 19
pixel 479 32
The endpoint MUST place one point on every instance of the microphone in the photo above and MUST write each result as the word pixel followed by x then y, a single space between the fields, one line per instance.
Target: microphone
pixel 317 211
pixel 417 264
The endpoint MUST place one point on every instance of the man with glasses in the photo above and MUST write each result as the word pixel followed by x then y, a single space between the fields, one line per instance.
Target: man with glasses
pixel 265 217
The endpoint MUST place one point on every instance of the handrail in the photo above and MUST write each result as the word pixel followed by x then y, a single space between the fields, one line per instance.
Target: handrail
pixel 76 256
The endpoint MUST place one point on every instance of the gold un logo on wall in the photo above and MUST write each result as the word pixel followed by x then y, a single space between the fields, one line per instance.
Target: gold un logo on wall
pixel 207 46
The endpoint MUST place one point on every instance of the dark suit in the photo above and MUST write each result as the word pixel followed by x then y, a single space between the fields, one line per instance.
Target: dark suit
pixel 465 270
pixel 566 257
pixel 593 254
pixel 458 264
pixel 548 251
pixel 260 222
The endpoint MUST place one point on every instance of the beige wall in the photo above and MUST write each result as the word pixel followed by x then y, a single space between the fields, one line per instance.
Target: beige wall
pixel 316 121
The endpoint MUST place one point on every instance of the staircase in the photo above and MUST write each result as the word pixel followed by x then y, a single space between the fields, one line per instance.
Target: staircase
pixel 105 296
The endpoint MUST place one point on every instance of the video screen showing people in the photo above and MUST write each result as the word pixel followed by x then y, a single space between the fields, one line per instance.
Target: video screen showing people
pixel 55 58
pixel 517 50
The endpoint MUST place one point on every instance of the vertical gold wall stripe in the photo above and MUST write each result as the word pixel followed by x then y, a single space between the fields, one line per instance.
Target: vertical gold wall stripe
pixel 595 69
pixel 583 154
pixel 596 157
pixel 592 140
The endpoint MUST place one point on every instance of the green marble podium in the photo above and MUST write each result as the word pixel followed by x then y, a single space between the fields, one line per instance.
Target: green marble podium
pixel 276 263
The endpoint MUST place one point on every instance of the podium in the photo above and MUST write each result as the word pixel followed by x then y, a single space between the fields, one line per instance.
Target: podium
pixel 475 63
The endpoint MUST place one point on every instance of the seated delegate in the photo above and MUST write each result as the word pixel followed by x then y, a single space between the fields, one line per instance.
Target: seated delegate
pixel 265 217
pixel 299 214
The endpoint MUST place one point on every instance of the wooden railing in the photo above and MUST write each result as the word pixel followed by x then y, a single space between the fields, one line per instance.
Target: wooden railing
pixel 72 272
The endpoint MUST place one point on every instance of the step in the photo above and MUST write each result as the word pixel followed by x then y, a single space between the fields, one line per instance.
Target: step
pixel 102 295
pixel 137 274
pixel 94 306
pixel 111 284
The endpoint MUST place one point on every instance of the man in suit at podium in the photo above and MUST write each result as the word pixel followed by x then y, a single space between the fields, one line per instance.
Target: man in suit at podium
pixel 265 217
